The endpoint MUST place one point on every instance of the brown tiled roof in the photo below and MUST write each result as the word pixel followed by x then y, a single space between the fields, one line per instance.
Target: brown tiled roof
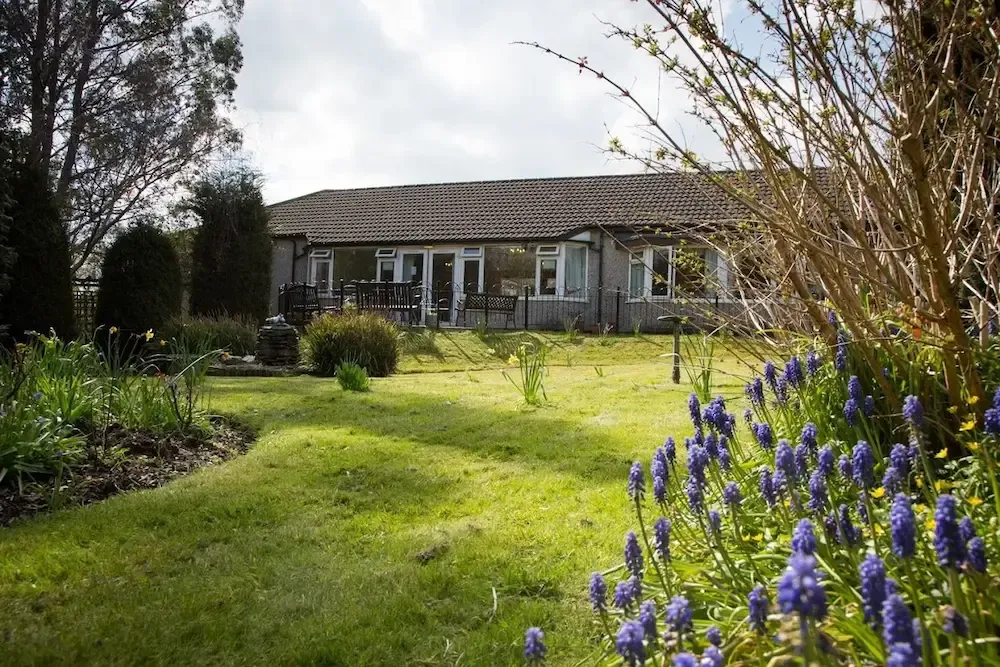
pixel 512 210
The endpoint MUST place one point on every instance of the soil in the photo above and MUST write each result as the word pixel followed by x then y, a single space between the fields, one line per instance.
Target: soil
pixel 123 460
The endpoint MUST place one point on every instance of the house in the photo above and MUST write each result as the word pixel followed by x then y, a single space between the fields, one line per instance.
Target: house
pixel 581 251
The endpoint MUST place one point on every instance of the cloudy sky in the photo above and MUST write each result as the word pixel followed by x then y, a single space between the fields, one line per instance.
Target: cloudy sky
pixel 349 93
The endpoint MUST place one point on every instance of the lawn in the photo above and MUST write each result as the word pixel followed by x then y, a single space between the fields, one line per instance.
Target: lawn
pixel 427 522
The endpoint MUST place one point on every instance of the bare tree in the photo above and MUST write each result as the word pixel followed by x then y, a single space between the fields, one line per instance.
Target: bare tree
pixel 117 99
pixel 862 148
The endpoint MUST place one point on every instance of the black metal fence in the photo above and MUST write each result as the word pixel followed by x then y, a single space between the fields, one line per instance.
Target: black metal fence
pixel 611 310
pixel 85 303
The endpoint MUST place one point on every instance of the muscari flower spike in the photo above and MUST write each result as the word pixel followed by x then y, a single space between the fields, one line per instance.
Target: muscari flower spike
pixel 634 560
pixel 712 657
pixel 855 390
pixel 902 527
pixel 863 510
pixel 764 435
pixel 840 360
pixel 725 458
pixel 868 407
pixel 647 617
pixel 851 412
pixel 967 529
pixel 767 486
pixel 849 534
pixel 954 623
pixel 636 482
pixel 872 573
pixel 629 643
pixel 813 362
pixel 771 374
pixel 713 636
pixel 784 458
pixel 684 660
pixel 624 594
pixel 902 655
pixel 899 458
pixel 793 372
pixel 697 463
pixel 801 462
pixel 661 538
pixel 948 543
pixel 712 446
pixel 781 391
pixel 825 461
pixel 892 480
pixel 808 437
pixel 534 646
pixel 897 622
pixel 803 539
pixel 758 604
pixel 694 409
pixel 679 615
pixel 748 416
pixel 845 467
pixel 863 465
pixel 696 496
pixel 598 592
pixel 913 412
pixel 715 520
pixel 976 554
pixel 800 589
pixel 670 450
pixel 817 492
pixel 755 391
pixel 731 493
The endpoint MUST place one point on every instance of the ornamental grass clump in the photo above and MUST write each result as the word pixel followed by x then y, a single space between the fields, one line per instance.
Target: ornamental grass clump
pixel 531 363
pixel 826 538
pixel 368 340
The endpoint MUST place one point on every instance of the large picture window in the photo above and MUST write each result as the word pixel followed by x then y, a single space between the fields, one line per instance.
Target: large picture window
pixel 509 269
pixel 350 264
pixel 677 272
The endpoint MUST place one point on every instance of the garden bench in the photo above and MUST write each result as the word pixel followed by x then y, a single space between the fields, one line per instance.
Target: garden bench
pixel 298 302
pixel 488 303
pixel 403 298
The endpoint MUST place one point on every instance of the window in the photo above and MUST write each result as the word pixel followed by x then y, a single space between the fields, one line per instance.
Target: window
pixel 509 269
pixel 386 270
pixel 693 269
pixel 472 252
pixel 413 267
pixel 676 272
pixel 350 264
pixel 322 269
pixel 471 276
pixel 548 269
pixel 387 253
pixel 548 250
pixel 576 269
pixel 636 278
pixel 659 262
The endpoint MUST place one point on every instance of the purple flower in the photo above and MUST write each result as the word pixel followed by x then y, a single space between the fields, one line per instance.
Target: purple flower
pixel 831 317
pixel 967 529
pixel 897 622
pixel 825 460
pixel 784 458
pixel 809 435
pixel 813 362
pixel 902 655
pixel 770 374
pixel 763 434
pixel 679 614
pixel 855 390
pixel 780 482
pixel 712 446
pixel 598 592
pixel 534 647
pixel 629 643
pixel 781 391
pixel 849 534
pixel 731 493
pixel 844 465
pixel 755 391
pixel 954 623
pixel 817 492
pixel 803 539
pixel 800 590
pixel 840 360
pixel 863 464
pixel 851 412
pixel 714 636
pixel 697 462
pixel 758 605
pixel 863 510
pixel 696 497
pixel 715 520
pixel 902 527
pixel 899 458
pixel 767 486
pixel 977 554
pixel 647 616
pixel 694 409
pixel 660 472
pixel 793 372
pixel 624 594
pixel 636 482
pixel 872 573
pixel 913 412
pixel 661 538
pixel 801 462
pixel 725 460
pixel 891 480
pixel 634 560
pixel 947 539
pixel 684 660
pixel 670 450
pixel 991 422
pixel 869 406
pixel 712 657
pixel 748 416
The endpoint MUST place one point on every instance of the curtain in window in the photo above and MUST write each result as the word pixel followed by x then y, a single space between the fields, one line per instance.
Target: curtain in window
pixel 576 269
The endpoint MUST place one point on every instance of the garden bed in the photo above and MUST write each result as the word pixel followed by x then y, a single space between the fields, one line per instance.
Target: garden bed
pixel 123 460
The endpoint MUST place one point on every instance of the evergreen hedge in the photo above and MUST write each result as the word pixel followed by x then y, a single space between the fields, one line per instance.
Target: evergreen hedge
pixel 140 282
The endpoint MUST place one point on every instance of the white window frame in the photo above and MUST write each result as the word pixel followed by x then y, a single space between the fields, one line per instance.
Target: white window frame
pixel 317 256
pixel 472 252
pixel 557 252
pixel 645 257
pixel 379 261
pixel 385 253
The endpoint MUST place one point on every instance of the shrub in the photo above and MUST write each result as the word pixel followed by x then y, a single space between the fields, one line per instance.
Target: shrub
pixel 231 261
pixel 352 377
pixel 368 340
pixel 140 281
pixel 39 296
pixel 237 334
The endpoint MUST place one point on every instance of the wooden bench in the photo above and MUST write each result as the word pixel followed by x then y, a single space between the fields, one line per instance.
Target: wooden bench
pixel 298 302
pixel 403 298
pixel 486 304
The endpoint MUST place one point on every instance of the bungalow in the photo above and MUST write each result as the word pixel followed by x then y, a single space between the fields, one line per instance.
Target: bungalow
pixel 590 251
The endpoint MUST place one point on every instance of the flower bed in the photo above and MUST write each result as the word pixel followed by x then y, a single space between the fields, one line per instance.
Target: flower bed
pixel 837 524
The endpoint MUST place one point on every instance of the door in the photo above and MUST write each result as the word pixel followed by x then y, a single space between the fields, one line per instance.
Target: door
pixel 443 284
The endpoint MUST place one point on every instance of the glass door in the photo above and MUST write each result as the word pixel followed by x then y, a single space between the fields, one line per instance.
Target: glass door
pixel 443 284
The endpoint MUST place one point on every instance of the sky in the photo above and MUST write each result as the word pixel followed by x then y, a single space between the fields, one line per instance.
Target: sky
pixel 357 93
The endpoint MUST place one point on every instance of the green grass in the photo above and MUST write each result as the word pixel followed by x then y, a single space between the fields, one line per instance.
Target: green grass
pixel 427 522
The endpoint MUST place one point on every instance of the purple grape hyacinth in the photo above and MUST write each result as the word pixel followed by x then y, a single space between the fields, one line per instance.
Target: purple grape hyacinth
pixel 758 605
pixel 976 554
pixel 670 450
pixel 845 467
pixel 647 617
pixel 793 372
pixel 697 463
pixel 902 527
pixel 967 529
pixel 725 458
pixel 954 623
pixel 897 622
pixel 872 573
pixel 863 465
pixel 661 538
pixel 764 435
pixel 849 534
pixel 712 446
pixel 809 436
pixel 800 589
pixel 825 461
pixel 731 494
pixel 902 655
pixel 659 470
pixel 767 486
pixel 947 540
pixel 817 492
pixel 684 660
pixel 803 539
pixel 598 592
pixel 694 409
pixel 696 496
pixel 534 646
pixel 892 480
pixel 636 482
pixel 899 458
pixel 715 520
pixel 855 390
pixel 868 407
pixel 851 412
pixel 784 458
pixel 712 657
pixel 801 462
pixel 629 643
pixel 771 374
pixel 679 615
pixel 813 362
pixel 913 412
pixel 634 560
pixel 840 360
pixel 624 594
pixel 781 391
pixel 714 636
pixel 755 391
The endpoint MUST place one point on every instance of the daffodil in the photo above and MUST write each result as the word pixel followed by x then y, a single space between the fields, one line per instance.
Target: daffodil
pixel 969 424
pixel 512 359
pixel 975 501
pixel 879 492
pixel 943 454
pixel 973 446
pixel 941 486
pixel 973 400
pixel 930 524
pixel 149 335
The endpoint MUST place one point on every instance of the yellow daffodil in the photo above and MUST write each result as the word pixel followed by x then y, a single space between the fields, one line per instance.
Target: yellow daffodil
pixel 941 486
pixel 943 454
pixel 969 424
pixel 920 508
pixel 930 524
pixel 973 446
pixel 920 482
pixel 759 537
pixel 953 409
pixel 149 335
pixel 879 492
pixel 113 330
pixel 878 529
pixel 973 400
pixel 975 501
pixel 512 359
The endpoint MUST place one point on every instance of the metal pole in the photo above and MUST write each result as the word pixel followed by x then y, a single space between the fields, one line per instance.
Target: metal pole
pixel 618 308
pixel 527 293
pixel 677 351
